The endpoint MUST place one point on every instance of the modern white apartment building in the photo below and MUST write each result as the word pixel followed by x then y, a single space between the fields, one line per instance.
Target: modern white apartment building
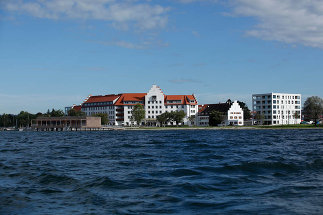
pixel 276 108
pixel 119 106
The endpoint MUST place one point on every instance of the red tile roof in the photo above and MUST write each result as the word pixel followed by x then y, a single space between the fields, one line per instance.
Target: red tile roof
pixel 185 99
pixel 140 97
pixel 105 98
pixel 77 107
pixel 131 97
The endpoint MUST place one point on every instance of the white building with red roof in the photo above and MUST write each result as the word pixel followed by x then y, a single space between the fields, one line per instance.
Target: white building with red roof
pixel 119 106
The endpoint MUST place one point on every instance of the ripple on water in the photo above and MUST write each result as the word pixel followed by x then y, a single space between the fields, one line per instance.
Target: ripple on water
pixel 162 172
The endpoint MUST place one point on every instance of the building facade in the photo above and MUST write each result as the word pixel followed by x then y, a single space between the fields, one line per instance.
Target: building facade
pixel 276 108
pixel 66 123
pixel 119 107
pixel 232 112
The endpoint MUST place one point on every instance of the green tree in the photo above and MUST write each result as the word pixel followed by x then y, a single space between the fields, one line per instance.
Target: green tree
pixel 4 120
pixel 192 119
pixel 7 120
pixel 246 111
pixel 23 119
pixel 297 115
pixel 178 116
pixel 163 118
pixel 73 112
pixel 138 113
pixel 104 118
pixel 56 113
pixel 259 117
pixel 313 108
pixel 216 118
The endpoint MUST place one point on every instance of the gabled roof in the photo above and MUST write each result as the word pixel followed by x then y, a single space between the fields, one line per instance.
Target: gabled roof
pixel 77 107
pixel 202 108
pixel 105 98
pixel 131 97
pixel 185 99
pixel 221 107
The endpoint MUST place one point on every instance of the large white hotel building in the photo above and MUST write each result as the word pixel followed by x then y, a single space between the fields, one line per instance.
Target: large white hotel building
pixel 277 108
pixel 119 106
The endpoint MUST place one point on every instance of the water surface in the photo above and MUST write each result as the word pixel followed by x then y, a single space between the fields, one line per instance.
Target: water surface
pixel 162 172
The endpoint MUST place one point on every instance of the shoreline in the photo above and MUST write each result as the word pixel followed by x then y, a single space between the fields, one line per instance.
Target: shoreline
pixel 223 128
pixel 285 127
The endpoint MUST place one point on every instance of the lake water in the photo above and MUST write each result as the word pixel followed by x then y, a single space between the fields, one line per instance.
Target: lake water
pixel 162 172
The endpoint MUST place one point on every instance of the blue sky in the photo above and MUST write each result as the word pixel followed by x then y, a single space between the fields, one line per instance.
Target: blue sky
pixel 55 53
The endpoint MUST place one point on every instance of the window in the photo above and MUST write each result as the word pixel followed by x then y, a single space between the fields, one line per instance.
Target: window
pixel 148 107
pixel 148 102
pixel 231 117
pixel 159 102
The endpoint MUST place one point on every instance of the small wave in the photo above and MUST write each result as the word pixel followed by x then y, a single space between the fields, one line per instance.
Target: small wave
pixel 191 141
pixel 261 166
pixel 50 191
pixel 47 178
pixel 103 182
pixel 197 187
pixel 317 164
pixel 184 172
pixel 202 205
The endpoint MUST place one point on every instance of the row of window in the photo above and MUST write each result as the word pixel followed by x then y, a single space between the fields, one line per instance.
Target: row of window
pixel 154 112
pixel 282 107
pixel 154 102
pixel 235 117
pixel 276 97
pixel 97 104
pixel 97 108
pixel 286 97
pixel 154 107
pixel 276 107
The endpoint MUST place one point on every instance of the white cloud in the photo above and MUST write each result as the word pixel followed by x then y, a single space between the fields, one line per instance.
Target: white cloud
pixel 142 15
pixel 289 21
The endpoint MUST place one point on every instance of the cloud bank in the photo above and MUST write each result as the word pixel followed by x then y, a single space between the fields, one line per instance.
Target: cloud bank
pixel 142 16
pixel 288 21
